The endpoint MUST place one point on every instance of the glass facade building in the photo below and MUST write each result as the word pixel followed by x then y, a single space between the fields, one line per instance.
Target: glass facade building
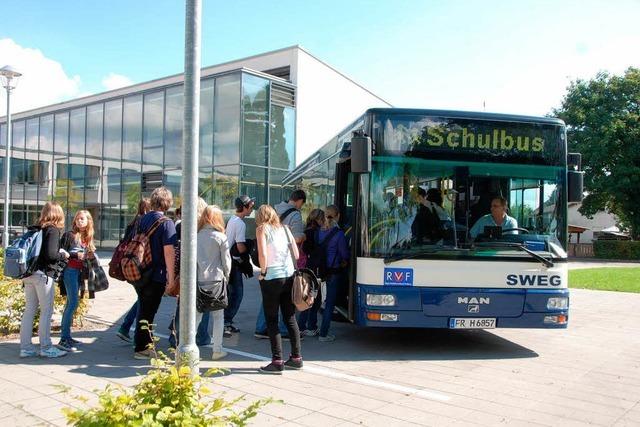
pixel 105 155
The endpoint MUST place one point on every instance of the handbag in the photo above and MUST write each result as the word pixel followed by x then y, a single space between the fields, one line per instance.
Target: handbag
pixel 305 283
pixel 96 277
pixel 212 296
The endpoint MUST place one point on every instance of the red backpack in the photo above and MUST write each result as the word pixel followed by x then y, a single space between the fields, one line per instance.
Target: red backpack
pixel 115 267
pixel 137 256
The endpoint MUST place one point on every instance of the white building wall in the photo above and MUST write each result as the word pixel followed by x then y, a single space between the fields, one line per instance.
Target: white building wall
pixel 327 102
pixel 600 221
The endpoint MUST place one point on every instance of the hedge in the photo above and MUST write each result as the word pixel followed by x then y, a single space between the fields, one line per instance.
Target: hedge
pixel 617 249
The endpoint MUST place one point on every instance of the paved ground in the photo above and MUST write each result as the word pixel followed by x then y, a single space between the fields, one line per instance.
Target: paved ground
pixel 587 374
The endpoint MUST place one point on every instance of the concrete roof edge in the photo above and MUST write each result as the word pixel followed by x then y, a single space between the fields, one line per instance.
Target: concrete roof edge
pixel 342 74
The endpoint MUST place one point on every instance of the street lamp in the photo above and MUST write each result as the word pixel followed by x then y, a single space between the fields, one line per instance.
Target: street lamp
pixel 9 77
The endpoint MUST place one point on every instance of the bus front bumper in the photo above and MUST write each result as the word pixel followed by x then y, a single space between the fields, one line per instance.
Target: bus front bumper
pixel 420 307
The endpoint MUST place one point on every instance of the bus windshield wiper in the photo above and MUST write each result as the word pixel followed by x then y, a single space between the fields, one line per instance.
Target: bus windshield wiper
pixel 547 262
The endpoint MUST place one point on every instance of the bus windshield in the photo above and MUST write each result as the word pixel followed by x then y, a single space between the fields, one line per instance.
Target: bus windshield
pixel 424 208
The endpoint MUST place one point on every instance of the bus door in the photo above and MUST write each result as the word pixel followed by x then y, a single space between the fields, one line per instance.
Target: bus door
pixel 344 199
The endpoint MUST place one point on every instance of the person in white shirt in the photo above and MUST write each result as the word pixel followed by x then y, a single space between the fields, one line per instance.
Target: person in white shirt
pixel 236 235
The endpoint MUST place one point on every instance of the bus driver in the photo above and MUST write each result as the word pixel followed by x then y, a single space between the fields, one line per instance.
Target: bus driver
pixel 497 218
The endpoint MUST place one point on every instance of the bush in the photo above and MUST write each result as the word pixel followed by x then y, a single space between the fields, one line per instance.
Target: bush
pixel 166 396
pixel 617 249
pixel 12 304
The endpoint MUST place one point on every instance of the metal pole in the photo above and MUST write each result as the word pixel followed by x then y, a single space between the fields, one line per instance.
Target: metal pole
pixel 7 168
pixel 188 353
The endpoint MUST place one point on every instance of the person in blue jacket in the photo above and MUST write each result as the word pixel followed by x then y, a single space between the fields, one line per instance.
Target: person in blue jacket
pixel 337 260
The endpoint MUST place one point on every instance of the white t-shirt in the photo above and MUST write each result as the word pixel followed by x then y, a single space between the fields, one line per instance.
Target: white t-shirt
pixel 236 229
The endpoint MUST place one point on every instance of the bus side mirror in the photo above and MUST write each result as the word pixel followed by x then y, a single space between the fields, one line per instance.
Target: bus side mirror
pixel 575 181
pixel 575 178
pixel 361 154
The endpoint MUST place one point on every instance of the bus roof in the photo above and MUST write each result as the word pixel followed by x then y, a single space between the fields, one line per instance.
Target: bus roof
pixel 467 115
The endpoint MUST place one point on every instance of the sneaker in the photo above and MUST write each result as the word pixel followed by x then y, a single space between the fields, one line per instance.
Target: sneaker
pixel 66 345
pixel 124 336
pixel 293 363
pixel 145 354
pixel 217 355
pixel 328 338
pixel 261 335
pixel 232 329
pixel 28 353
pixel 226 333
pixel 76 343
pixel 272 368
pixel 310 332
pixel 52 352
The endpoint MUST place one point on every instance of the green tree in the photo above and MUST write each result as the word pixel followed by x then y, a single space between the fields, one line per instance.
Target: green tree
pixel 603 123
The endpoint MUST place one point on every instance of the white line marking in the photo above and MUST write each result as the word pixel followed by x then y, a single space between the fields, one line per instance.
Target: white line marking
pixel 318 370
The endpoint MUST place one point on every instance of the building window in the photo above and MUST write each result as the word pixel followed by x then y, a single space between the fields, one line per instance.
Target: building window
pixel 94 130
pixel 76 133
pixel 132 143
pixel 173 127
pixel 113 129
pixel 226 116
pixel 255 103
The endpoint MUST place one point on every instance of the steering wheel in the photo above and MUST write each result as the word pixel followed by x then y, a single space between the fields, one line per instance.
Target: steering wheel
pixel 524 230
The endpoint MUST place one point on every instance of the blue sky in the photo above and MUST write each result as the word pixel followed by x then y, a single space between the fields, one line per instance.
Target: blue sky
pixel 514 56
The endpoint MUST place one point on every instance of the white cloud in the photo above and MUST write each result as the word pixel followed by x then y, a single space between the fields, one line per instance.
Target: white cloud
pixel 116 81
pixel 43 82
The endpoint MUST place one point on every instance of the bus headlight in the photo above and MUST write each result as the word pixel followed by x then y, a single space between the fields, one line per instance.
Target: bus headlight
pixel 381 299
pixel 557 303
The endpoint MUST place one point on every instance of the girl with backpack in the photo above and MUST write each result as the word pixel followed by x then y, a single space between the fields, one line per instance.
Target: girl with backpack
pixel 39 288
pixel 214 266
pixel 308 319
pixel 277 252
pixel 79 244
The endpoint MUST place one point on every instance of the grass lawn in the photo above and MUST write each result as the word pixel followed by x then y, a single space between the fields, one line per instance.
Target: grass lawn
pixel 606 279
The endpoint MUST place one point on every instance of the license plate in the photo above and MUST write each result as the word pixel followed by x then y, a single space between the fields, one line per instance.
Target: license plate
pixel 472 323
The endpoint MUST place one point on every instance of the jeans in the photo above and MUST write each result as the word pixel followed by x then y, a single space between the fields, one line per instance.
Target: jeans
pixel 202 335
pixel 149 297
pixel 217 329
pixel 261 323
pixel 276 294
pixel 39 291
pixel 236 288
pixel 131 317
pixel 333 282
pixel 308 319
pixel 71 278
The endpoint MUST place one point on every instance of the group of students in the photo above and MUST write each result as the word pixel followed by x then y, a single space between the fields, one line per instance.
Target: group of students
pixel 283 244
pixel 61 254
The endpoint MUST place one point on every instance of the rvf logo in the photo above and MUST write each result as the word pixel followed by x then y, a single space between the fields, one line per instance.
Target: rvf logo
pixel 398 276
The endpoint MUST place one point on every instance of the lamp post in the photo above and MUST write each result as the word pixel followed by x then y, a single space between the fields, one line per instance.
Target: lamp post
pixel 9 76
pixel 187 352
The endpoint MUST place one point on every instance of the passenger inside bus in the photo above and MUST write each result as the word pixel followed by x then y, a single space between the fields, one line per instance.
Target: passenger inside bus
pixel 497 218
pixel 427 226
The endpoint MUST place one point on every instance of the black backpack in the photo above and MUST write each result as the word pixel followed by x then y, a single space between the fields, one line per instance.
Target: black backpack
pixel 317 259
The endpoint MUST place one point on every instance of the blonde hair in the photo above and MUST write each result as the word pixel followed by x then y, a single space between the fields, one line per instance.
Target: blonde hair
pixel 51 214
pixel 161 199
pixel 202 205
pixel 211 215
pixel 85 235
pixel 266 215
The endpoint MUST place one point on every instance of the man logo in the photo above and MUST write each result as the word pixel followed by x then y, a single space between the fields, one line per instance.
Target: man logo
pixel 473 308
pixel 474 300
